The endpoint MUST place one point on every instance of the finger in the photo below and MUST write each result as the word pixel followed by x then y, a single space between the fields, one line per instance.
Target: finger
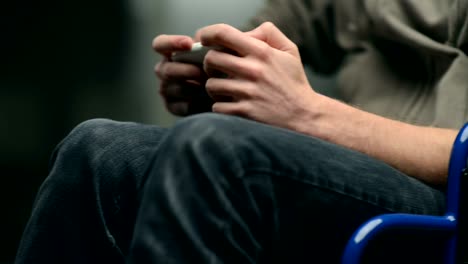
pixel 230 65
pixel 168 44
pixel 234 89
pixel 179 108
pixel 166 70
pixel 231 38
pixel 177 91
pixel 231 108
pixel 270 34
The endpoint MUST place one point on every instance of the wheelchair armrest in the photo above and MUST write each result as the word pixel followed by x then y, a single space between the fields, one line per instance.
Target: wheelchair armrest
pixel 449 224
pixel 388 222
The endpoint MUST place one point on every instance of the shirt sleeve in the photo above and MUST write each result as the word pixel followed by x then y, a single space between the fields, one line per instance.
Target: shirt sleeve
pixel 308 23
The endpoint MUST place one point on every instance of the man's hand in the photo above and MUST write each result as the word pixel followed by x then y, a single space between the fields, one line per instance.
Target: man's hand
pixel 267 83
pixel 182 85
pixel 265 79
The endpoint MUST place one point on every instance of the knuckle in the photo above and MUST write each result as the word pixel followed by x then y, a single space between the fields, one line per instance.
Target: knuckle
pixel 178 90
pixel 241 110
pixel 235 110
pixel 157 69
pixel 256 72
pixel 223 27
pixel 178 108
pixel 221 108
pixel 268 25
pixel 250 93
pixel 218 35
pixel 170 91
pixel 221 32
pixel 209 57
pixel 295 48
pixel 209 85
pixel 209 62
pixel 212 87
pixel 264 52
pixel 162 70
pixel 215 108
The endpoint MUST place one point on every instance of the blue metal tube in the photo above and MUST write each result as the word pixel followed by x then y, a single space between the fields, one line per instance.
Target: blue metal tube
pixel 458 162
pixel 384 223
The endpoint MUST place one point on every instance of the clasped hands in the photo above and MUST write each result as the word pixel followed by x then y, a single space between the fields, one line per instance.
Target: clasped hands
pixel 264 81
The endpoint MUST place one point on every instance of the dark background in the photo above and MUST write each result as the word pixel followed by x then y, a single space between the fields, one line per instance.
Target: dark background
pixel 63 62
pixel 53 55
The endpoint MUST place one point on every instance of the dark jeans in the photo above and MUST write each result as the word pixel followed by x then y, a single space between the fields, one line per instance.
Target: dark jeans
pixel 216 189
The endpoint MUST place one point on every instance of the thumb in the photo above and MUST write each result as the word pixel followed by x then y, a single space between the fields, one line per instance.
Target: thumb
pixel 270 34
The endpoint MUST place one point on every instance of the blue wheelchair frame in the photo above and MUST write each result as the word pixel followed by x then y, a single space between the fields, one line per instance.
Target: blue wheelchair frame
pixel 447 224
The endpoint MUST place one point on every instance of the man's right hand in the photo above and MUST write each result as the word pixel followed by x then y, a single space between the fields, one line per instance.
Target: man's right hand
pixel 182 85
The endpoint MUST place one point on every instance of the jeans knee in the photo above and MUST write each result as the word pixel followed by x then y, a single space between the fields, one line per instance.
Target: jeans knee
pixel 212 132
pixel 206 137
pixel 102 150
pixel 89 134
pixel 73 154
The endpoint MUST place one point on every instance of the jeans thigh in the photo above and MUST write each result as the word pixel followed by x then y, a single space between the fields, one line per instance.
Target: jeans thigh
pixel 323 192
pixel 231 189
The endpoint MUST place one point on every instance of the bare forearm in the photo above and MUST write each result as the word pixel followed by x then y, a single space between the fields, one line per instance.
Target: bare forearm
pixel 422 152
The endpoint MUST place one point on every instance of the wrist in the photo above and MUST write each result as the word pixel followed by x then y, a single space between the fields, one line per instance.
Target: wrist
pixel 313 115
pixel 337 122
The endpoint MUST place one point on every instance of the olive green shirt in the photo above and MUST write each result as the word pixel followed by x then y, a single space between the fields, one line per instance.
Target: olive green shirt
pixel 402 59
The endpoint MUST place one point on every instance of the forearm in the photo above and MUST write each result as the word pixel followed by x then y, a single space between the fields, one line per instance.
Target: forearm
pixel 422 152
